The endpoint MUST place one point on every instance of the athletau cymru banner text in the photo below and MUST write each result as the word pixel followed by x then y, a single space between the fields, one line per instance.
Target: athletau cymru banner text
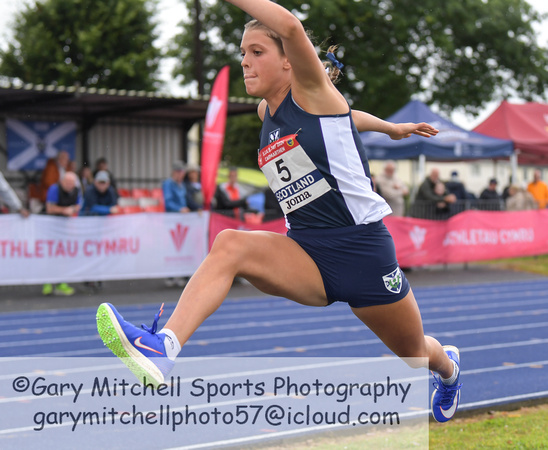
pixel 47 249
pixel 469 236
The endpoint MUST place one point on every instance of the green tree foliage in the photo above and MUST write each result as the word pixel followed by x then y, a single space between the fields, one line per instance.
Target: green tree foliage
pixel 456 53
pixel 97 43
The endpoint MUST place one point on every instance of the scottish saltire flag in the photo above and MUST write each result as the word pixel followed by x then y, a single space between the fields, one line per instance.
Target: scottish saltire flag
pixel 31 144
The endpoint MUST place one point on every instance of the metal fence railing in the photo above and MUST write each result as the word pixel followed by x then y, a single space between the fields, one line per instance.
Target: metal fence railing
pixel 432 211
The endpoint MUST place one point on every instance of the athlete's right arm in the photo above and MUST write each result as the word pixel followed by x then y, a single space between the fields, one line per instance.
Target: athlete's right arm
pixel 306 66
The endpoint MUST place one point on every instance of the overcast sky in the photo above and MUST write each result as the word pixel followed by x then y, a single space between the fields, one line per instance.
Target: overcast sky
pixel 170 13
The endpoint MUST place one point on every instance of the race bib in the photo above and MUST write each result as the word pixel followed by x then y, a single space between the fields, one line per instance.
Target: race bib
pixel 291 174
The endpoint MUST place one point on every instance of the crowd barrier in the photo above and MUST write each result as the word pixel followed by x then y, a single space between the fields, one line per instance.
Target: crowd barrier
pixel 47 249
pixel 428 210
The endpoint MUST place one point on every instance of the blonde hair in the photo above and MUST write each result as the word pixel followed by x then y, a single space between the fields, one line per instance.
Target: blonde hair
pixel 332 70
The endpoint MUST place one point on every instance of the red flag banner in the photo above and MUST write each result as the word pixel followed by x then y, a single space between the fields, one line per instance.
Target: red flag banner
pixel 214 134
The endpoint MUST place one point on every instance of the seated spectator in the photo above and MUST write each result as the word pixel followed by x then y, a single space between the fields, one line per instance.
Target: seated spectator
pixel 53 172
pixel 520 199
pixel 490 199
pixel 100 199
pixel 9 198
pixel 538 189
pixel 63 199
pixel 102 165
pixel 392 189
pixel 228 199
pixel 427 201
pixel 194 195
pixel 176 197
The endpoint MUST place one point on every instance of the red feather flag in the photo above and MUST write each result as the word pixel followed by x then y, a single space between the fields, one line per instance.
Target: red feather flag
pixel 214 135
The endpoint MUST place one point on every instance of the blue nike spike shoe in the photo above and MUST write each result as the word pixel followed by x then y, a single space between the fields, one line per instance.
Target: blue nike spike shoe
pixel 142 350
pixel 445 399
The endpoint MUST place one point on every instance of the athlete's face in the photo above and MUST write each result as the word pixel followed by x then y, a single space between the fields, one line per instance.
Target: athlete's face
pixel 265 68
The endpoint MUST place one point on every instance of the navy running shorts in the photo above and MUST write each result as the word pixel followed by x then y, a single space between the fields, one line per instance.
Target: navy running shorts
pixel 358 263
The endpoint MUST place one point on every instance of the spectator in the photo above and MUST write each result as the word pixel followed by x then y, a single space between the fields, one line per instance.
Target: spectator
pixel 427 200
pixel 455 186
pixel 392 189
pixel 53 172
pixel 63 199
pixel 490 198
pixel 175 192
pixel 272 208
pixel 506 190
pixel 180 197
pixel 374 185
pixel 102 165
pixel 9 198
pixel 194 195
pixel 228 200
pixel 538 190
pixel 86 177
pixel 100 199
pixel 520 199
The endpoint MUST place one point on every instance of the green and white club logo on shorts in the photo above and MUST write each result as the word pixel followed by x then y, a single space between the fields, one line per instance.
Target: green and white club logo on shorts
pixel 392 281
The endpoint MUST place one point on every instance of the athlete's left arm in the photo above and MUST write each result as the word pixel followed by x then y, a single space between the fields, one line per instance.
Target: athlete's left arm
pixel 368 122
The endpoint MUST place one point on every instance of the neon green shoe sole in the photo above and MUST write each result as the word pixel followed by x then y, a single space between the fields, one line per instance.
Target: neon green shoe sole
pixel 141 351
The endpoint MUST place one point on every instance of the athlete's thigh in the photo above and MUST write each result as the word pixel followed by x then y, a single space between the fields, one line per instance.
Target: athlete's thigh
pixel 277 265
pixel 398 325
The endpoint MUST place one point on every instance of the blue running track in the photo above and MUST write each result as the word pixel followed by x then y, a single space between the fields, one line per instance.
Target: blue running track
pixel 501 330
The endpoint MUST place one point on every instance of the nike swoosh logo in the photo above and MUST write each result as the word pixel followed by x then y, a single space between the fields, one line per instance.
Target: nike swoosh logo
pixel 137 343
pixel 448 413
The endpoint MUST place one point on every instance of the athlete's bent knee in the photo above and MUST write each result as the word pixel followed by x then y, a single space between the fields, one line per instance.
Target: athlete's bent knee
pixel 230 244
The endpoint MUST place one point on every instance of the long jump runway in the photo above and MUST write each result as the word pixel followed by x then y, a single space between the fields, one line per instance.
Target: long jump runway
pixel 501 330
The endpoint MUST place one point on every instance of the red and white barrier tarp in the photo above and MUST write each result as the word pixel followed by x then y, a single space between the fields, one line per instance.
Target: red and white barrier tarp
pixel 220 222
pixel 469 236
pixel 47 249
pixel 43 249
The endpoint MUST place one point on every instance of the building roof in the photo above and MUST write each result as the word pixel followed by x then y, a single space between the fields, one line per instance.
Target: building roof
pixel 90 104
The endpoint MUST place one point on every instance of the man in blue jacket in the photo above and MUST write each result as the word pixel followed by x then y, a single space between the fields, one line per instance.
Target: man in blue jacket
pixel 100 199
pixel 176 196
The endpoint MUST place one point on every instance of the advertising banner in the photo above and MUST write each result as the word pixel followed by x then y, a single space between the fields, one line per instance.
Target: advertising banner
pixel 47 249
pixel 219 223
pixel 469 236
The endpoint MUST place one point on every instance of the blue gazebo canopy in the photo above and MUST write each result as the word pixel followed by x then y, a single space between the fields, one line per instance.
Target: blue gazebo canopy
pixel 451 143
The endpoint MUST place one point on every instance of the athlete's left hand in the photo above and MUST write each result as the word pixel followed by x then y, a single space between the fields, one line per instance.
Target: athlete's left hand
pixel 405 130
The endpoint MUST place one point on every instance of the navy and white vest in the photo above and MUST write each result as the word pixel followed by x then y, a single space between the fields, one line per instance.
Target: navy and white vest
pixel 316 166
